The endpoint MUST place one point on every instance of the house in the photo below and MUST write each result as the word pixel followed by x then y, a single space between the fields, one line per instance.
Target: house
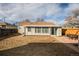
pixel 2 24
pixel 7 25
pixel 39 28
pixel 7 29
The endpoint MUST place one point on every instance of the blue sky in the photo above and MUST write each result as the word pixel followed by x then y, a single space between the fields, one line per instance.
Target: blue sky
pixel 14 12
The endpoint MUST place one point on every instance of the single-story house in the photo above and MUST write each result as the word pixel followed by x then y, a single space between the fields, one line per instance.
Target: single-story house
pixel 39 28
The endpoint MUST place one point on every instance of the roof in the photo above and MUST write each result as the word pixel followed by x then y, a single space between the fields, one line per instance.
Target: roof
pixel 72 31
pixel 25 23
pixel 10 26
pixel 42 23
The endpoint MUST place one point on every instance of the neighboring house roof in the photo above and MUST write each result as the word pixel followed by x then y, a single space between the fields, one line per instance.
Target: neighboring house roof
pixel 2 23
pixel 25 23
pixel 10 26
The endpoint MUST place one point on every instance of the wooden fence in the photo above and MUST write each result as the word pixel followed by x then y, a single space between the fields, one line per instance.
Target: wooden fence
pixel 71 33
pixel 4 32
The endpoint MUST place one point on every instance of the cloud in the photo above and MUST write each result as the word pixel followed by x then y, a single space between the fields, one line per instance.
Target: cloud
pixel 51 20
pixel 17 12
pixel 64 13
pixel 71 7
pixel 49 11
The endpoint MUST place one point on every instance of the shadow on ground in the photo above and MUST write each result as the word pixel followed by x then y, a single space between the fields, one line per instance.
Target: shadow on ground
pixel 8 36
pixel 40 49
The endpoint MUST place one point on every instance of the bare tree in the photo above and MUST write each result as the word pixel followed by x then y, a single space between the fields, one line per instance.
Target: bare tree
pixel 39 19
pixel 27 20
pixel 75 12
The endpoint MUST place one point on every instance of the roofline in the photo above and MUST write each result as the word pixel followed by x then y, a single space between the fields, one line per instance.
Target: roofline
pixel 42 26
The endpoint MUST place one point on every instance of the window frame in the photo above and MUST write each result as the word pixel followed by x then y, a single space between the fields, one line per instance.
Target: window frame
pixel 38 30
pixel 45 30
pixel 29 29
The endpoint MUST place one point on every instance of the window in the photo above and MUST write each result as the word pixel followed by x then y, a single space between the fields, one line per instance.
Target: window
pixel 38 30
pixel 29 29
pixel 41 30
pixel 45 30
pixel 3 26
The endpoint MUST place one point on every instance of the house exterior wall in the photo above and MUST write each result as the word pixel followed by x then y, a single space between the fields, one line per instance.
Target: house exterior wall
pixel 34 33
pixel 24 31
pixel 21 29
pixel 59 32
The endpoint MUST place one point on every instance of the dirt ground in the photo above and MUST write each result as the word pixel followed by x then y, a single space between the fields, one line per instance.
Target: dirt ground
pixel 19 45
pixel 40 49
pixel 20 40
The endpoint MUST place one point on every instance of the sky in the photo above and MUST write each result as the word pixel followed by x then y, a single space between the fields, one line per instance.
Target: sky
pixel 51 12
